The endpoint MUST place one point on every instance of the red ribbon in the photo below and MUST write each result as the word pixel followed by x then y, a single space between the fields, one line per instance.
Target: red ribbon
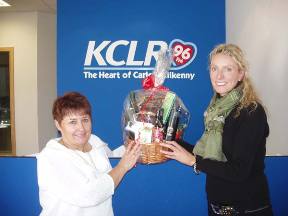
pixel 149 83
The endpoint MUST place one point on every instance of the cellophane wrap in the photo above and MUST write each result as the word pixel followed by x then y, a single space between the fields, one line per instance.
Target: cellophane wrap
pixel 153 115
pixel 150 117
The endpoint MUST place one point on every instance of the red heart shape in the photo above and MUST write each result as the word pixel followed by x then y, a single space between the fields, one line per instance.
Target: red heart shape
pixel 182 53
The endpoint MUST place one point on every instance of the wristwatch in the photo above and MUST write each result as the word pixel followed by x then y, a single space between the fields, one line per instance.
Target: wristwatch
pixel 196 171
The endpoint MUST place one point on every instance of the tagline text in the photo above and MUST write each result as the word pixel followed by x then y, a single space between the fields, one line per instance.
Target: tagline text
pixel 134 75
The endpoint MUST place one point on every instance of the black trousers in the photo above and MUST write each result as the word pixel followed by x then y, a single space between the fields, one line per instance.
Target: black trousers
pixel 241 212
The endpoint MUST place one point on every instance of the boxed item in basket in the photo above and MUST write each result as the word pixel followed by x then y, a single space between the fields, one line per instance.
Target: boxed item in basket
pixel 154 114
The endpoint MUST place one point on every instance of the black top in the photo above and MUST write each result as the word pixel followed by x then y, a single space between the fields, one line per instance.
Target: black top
pixel 240 180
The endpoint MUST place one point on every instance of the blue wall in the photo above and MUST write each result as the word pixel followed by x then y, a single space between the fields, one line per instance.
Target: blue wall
pixel 18 187
pixel 201 23
pixel 166 189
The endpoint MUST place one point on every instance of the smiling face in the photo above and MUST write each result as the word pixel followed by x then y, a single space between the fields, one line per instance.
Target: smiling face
pixel 224 73
pixel 75 129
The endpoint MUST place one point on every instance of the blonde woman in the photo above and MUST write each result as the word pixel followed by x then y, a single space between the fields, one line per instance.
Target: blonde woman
pixel 232 148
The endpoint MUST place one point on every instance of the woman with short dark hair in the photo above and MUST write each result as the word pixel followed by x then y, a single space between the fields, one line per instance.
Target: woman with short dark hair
pixel 74 173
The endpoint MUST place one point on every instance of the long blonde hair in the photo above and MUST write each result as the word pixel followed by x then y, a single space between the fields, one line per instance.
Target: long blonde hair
pixel 249 96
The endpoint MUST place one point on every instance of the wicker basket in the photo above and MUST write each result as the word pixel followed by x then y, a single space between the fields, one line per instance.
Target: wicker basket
pixel 150 153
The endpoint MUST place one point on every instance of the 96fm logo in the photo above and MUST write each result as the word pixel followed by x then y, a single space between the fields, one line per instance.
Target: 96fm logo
pixel 101 56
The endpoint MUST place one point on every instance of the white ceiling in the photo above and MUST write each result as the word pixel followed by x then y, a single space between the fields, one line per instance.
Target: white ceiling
pixel 48 6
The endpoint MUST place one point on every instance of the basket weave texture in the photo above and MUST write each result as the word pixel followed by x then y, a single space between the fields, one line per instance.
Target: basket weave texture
pixel 150 153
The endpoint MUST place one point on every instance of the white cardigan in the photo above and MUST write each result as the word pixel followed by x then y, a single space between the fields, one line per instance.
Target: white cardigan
pixel 74 183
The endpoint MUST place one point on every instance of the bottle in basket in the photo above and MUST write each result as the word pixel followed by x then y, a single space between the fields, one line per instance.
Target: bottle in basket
pixel 173 124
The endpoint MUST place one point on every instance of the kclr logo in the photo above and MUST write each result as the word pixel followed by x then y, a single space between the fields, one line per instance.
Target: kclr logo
pixel 102 56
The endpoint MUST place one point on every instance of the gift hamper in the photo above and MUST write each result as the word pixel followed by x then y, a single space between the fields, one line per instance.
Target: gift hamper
pixel 154 114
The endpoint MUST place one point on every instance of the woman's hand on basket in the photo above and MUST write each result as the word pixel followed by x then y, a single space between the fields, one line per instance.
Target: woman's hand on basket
pixel 178 153
pixel 130 156
pixel 127 161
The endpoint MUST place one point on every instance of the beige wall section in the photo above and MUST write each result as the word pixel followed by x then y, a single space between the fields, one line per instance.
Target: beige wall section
pixel 20 30
pixel 259 27
pixel 46 79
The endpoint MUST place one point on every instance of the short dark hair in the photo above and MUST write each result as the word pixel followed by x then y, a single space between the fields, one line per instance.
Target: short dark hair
pixel 70 102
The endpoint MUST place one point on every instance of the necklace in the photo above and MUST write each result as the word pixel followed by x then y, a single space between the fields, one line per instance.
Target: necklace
pixel 84 154
pixel 86 157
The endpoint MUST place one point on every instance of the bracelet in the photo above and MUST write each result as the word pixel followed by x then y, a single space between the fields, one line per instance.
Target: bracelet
pixel 197 172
